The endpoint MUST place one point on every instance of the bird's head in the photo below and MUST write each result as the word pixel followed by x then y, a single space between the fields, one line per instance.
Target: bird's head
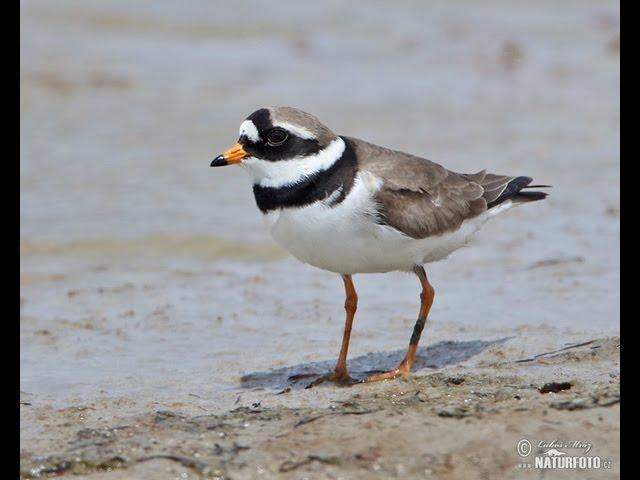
pixel 281 143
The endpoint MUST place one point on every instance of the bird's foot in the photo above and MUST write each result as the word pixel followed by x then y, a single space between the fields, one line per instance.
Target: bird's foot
pixel 341 378
pixel 401 371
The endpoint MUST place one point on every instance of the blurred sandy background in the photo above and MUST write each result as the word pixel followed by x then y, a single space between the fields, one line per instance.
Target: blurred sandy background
pixel 148 278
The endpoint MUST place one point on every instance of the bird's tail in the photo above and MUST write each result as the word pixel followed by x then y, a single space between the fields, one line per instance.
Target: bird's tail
pixel 498 188
pixel 517 190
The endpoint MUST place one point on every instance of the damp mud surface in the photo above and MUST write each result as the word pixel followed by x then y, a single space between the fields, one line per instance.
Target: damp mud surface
pixel 163 334
pixel 460 423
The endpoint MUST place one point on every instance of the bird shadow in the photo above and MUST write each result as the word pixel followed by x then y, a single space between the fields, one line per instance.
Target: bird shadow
pixel 434 356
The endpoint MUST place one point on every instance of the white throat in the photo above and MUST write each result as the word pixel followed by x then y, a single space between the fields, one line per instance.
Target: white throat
pixel 287 172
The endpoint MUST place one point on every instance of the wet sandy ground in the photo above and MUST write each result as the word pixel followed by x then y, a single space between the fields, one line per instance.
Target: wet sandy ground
pixel 460 422
pixel 160 326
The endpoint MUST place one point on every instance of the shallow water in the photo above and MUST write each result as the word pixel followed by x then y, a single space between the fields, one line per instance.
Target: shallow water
pixel 147 274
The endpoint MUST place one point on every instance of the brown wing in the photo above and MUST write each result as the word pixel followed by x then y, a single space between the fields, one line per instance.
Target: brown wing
pixel 421 198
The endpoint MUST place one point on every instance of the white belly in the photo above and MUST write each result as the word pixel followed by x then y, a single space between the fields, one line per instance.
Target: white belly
pixel 345 238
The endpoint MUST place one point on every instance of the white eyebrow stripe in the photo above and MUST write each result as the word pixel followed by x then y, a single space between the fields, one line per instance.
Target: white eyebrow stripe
pixel 296 130
pixel 249 129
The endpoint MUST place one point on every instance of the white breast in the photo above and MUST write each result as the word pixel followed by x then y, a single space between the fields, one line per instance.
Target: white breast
pixel 346 239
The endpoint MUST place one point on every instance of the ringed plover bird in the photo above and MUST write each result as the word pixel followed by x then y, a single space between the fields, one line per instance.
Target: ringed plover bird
pixel 348 206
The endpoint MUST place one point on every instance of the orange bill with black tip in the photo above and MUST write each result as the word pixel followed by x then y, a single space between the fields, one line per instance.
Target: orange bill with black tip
pixel 233 155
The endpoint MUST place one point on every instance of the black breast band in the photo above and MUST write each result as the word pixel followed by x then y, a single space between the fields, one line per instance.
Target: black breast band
pixel 338 178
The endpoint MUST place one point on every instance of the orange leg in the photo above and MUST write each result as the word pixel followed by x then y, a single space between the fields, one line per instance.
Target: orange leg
pixel 426 300
pixel 350 305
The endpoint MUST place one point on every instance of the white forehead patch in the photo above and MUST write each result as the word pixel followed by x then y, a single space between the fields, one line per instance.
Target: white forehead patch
pixel 296 130
pixel 249 129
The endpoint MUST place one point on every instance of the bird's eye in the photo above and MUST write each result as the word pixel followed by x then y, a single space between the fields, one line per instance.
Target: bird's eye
pixel 276 137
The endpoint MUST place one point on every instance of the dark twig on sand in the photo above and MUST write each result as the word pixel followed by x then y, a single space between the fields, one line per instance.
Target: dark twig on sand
pixel 545 354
